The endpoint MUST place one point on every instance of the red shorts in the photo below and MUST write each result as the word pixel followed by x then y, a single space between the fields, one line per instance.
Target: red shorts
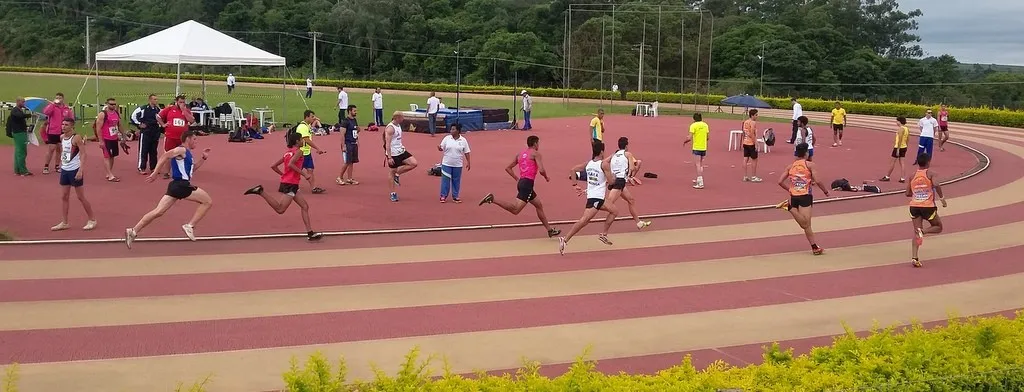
pixel 171 142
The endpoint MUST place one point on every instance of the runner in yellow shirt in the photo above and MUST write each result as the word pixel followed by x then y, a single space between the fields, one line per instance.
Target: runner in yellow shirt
pixel 899 149
pixel 838 123
pixel 699 132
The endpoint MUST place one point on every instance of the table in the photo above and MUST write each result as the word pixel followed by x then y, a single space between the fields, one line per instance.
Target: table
pixel 736 140
pixel 262 112
pixel 202 115
pixel 643 106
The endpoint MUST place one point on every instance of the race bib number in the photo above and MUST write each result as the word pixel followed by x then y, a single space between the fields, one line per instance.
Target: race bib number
pixel 944 118
pixel 65 157
pixel 178 122
pixel 921 194
pixel 113 131
pixel 799 183
pixel 355 133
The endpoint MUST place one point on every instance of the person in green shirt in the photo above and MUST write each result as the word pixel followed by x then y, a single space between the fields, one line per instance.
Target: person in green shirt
pixel 699 132
pixel 305 130
pixel 17 129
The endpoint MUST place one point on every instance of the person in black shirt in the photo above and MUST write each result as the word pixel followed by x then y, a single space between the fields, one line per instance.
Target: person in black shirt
pixel 17 129
pixel 149 134
pixel 349 147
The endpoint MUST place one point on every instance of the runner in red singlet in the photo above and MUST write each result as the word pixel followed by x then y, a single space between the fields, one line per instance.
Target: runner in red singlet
pixel 922 189
pixel 290 178
pixel 530 163
pixel 175 119
pixel 943 126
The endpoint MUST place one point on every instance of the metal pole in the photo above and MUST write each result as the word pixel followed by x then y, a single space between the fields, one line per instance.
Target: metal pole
pixel 88 51
pixel 284 84
pixel 760 90
pixel 458 80
pixel 602 61
pixel 657 68
pixel 682 51
pixel 565 52
pixel 315 35
pixel 711 45
pixel 177 82
pixel 696 69
pixel 613 57
pixel 640 69
pixel 568 54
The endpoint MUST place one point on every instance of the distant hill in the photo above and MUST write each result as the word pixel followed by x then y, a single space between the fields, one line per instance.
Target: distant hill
pixel 994 67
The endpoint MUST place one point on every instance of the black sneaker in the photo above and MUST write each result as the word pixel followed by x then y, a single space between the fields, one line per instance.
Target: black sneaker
pixel 554 232
pixel 258 189
pixel 314 236
pixel 487 199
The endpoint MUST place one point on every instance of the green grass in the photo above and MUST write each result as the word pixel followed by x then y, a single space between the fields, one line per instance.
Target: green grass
pixel 323 103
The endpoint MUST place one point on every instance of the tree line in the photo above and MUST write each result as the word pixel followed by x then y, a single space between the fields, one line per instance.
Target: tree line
pixel 843 49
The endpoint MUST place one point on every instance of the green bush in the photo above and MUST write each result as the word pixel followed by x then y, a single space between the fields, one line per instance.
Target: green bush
pixel 977 354
pixel 979 115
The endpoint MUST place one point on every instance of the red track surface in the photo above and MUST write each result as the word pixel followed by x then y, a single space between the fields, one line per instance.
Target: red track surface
pixel 235 167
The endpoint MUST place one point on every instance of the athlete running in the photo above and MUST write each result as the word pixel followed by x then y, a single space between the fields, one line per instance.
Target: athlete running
pixel 623 165
pixel 530 164
pixel 290 179
pixel 72 156
pixel 180 188
pixel 598 171
pixel 798 178
pixel 922 190
pixel 398 160
pixel 943 126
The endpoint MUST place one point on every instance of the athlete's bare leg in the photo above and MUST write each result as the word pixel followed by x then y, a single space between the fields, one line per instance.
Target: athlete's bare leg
pixel 631 204
pixel 537 205
pixel 346 173
pixel 408 165
pixel 802 215
pixel 341 174
pixel 108 164
pixel 205 202
pixel 301 201
pixel 588 214
pixel 80 193
pixel 52 156
pixel 699 163
pixel 612 213
pixel 65 198
pixel 311 178
pixel 162 206
pixel 943 137
pixel 279 205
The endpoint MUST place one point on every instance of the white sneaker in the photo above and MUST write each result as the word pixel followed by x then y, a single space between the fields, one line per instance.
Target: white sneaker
pixel 89 225
pixel 755 179
pixel 188 231
pixel 561 245
pixel 60 226
pixel 642 224
pixel 129 237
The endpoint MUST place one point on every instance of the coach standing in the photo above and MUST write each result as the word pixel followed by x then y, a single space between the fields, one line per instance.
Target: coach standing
pixel 527 108
pixel 797 112
pixel 17 129
pixel 145 117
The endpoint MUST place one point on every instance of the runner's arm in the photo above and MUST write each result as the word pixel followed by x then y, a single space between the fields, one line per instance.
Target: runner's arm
pixel 166 157
pixel 540 166
pixel 296 166
pixel 784 177
pixel 77 141
pixel 389 133
pixel 576 170
pixel 511 166
pixel 309 141
pixel 277 163
pixel 202 160
pixel 100 118
pixel 938 188
pixel 606 167
pixel 814 177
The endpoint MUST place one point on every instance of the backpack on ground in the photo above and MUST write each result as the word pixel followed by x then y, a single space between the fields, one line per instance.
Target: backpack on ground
pixel 435 171
pixel 842 184
pixel 769 137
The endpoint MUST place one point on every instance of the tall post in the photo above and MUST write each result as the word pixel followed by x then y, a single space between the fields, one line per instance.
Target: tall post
pixel 88 51
pixel 284 83
pixel 602 62
pixel 711 46
pixel 458 80
pixel 613 57
pixel 640 69
pixel 682 51
pixel 760 90
pixel 177 81
pixel 315 35
pixel 696 68
pixel 657 67
pixel 568 53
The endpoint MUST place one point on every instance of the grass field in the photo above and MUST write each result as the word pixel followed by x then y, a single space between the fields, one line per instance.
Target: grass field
pixel 324 103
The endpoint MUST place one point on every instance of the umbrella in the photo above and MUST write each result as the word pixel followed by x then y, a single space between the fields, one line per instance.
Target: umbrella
pixel 36 104
pixel 746 101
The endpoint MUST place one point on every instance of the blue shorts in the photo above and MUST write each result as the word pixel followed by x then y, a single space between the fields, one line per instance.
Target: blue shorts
pixel 700 153
pixel 67 178
pixel 307 161
pixel 810 153
pixel 924 145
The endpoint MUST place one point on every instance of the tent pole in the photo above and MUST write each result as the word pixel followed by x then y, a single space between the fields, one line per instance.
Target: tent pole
pixel 97 65
pixel 177 82
pixel 203 72
pixel 284 81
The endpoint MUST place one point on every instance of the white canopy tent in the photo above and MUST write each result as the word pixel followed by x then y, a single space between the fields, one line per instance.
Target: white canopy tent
pixel 191 42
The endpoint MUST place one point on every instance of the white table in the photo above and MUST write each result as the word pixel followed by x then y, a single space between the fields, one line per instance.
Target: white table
pixel 202 115
pixel 262 113
pixel 643 107
pixel 736 140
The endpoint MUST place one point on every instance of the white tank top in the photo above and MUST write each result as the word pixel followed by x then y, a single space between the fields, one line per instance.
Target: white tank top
pixel 396 148
pixel 69 158
pixel 597 184
pixel 619 164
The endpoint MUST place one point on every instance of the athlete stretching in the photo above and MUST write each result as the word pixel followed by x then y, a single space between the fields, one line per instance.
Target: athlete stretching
pixel 397 159
pixel 180 188
pixel 922 189
pixel 623 165
pixel 530 164
pixel 598 171
pixel 289 185
pixel 800 176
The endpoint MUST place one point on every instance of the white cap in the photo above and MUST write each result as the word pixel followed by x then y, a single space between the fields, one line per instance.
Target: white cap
pixel 523 93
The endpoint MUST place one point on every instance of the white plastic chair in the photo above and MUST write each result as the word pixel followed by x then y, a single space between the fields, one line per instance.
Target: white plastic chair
pixel 413 107
pixel 227 121
pixel 239 116
pixel 735 139
pixel 654 109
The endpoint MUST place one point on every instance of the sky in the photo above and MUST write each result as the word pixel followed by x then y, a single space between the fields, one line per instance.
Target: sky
pixel 973 31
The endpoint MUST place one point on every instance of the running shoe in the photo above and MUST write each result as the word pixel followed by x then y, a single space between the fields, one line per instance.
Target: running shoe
pixel 60 226
pixel 487 199
pixel 129 236
pixel 916 263
pixel 89 225
pixel 818 251
pixel 561 245
pixel 604 238
pixel 835 144
pixel 755 179
pixel 553 232
pixel 396 180
pixel 746 179
pixel 884 179
pixel 642 224
pixel 782 206
pixel 46 170
pixel 394 196
pixel 443 200
pixel 919 237
pixel 902 180
pixel 258 189
pixel 189 231
pixel 698 186
pixel 314 236
pixel 456 201
pixel 318 190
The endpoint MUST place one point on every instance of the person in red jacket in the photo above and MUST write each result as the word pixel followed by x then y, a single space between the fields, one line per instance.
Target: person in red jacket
pixel 175 119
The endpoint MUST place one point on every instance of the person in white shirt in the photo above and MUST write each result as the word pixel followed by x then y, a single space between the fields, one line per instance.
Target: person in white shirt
pixel 378 107
pixel 598 171
pixel 309 87
pixel 433 104
pixel 798 111
pixel 455 149
pixel 527 108
pixel 925 141
pixel 804 134
pixel 231 83
pixel 342 104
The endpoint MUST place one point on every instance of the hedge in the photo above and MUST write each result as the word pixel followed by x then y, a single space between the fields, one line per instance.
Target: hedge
pixel 973 115
pixel 975 354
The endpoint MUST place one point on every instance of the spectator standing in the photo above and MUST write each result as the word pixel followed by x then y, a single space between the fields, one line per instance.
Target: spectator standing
pixel 378 107
pixel 798 111
pixel 342 104
pixel 455 151
pixel 56 112
pixel 145 118
pixel 17 129
pixel 433 104
pixel 231 83
pixel 527 108
pixel 309 87
pixel 349 147
pixel 926 140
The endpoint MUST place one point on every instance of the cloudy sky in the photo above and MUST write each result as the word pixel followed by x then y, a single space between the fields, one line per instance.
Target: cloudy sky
pixel 973 31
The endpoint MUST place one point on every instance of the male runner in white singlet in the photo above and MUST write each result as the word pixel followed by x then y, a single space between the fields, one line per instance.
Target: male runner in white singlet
pixel 624 165
pixel 598 172
pixel 396 157
pixel 72 157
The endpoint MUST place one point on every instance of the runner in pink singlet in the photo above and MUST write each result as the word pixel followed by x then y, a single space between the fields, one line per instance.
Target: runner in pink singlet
pixel 530 163
pixel 943 126
pixel 108 132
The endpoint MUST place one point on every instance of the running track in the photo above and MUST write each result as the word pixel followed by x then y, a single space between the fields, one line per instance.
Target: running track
pixel 92 317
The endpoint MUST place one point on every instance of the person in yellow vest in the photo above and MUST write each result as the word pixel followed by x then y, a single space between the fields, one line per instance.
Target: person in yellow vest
pixel 899 150
pixel 838 123
pixel 699 132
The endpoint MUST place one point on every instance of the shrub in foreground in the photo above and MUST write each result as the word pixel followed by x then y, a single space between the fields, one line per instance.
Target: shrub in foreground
pixel 977 354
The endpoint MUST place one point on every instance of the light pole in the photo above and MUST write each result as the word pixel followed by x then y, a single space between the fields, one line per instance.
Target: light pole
pixel 458 80
pixel 761 89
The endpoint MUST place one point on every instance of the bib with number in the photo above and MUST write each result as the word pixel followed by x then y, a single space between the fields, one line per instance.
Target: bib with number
pixel 113 131
pixel 65 157
pixel 178 122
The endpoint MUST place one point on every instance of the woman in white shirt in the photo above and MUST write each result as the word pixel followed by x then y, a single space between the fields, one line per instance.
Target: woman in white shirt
pixel 455 151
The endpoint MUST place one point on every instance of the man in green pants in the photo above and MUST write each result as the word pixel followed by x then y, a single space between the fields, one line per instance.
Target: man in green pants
pixel 17 129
